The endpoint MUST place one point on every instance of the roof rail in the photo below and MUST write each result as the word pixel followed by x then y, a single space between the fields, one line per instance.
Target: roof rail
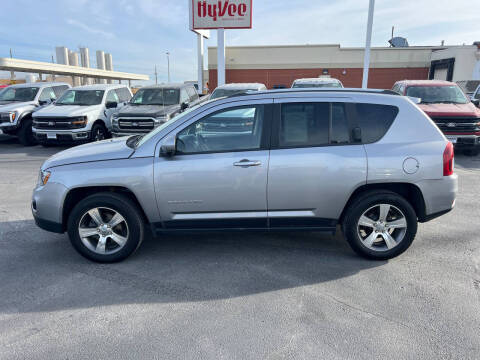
pixel 300 90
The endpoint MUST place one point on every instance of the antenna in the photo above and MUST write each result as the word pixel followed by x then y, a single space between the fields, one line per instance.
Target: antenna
pixel 393 28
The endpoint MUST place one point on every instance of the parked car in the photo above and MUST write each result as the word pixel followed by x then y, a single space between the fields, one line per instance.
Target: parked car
pixel 320 82
pixel 82 114
pixel 469 87
pixel 152 106
pixel 449 108
pixel 368 160
pixel 236 88
pixel 18 102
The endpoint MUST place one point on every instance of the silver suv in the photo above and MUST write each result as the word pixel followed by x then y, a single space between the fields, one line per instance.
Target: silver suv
pixel 369 161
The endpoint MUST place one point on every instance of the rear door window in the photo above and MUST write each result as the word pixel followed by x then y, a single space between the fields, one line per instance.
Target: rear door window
pixel 313 124
pixel 304 124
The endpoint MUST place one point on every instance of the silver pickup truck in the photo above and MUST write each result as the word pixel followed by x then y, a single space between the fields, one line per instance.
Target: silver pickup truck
pixel 18 102
pixel 152 106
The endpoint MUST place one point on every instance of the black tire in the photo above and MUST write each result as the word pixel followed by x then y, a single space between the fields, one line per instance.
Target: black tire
pixel 99 132
pixel 366 201
pixel 25 134
pixel 119 203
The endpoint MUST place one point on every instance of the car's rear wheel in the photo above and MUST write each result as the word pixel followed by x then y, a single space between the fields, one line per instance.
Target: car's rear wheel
pixel 380 225
pixel 106 227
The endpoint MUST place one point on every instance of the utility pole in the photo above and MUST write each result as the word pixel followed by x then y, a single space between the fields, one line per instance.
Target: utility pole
pixel 11 53
pixel 156 75
pixel 368 43
pixel 168 65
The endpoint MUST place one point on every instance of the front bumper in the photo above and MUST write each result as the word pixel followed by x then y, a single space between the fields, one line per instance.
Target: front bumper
pixel 47 206
pixel 464 141
pixel 8 126
pixel 61 136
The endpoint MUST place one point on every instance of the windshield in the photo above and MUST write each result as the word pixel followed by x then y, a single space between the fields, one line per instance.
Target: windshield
pixel 178 117
pixel 18 94
pixel 218 93
pixel 438 94
pixel 318 85
pixel 81 97
pixel 156 97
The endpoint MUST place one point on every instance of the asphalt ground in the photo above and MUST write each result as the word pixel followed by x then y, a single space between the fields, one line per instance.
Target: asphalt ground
pixel 235 295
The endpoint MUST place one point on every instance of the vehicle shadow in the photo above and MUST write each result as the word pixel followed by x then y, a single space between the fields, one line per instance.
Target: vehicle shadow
pixel 41 271
pixel 467 162
pixel 11 145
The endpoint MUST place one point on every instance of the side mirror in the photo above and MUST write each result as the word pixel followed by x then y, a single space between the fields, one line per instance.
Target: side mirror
pixel 184 106
pixel 476 102
pixel 111 105
pixel 357 134
pixel 415 100
pixel 168 147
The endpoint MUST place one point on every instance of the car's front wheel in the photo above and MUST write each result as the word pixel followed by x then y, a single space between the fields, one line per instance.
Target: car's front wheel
pixel 99 132
pixel 106 227
pixel 380 225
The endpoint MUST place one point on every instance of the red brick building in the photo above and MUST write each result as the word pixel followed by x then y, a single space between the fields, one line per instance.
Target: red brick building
pixel 278 66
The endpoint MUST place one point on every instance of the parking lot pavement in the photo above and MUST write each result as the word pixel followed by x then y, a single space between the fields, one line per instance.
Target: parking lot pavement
pixel 236 296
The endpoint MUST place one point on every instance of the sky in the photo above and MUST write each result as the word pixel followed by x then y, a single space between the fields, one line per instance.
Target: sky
pixel 138 33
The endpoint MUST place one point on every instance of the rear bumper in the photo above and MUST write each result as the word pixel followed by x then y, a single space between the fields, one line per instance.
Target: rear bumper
pixel 439 196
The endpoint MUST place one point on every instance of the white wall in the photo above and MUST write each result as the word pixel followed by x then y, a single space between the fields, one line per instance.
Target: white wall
pixel 465 60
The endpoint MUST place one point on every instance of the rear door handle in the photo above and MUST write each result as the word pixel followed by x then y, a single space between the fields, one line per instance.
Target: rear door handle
pixel 247 163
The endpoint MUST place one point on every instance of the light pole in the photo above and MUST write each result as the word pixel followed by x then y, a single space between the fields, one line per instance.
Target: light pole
pixel 168 65
pixel 368 42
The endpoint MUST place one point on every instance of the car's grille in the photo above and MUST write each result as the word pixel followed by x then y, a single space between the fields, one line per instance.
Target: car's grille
pixel 4 117
pixel 136 123
pixel 457 124
pixel 57 123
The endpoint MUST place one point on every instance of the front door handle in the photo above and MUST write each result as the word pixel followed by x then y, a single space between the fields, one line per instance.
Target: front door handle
pixel 247 163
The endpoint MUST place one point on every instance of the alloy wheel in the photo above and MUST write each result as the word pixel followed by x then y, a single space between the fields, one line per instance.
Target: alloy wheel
pixel 103 230
pixel 382 227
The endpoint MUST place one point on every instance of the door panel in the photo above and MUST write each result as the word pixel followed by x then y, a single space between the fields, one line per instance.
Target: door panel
pixel 313 183
pixel 209 191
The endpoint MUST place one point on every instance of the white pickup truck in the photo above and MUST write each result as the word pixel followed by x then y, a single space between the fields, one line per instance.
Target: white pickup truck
pixel 82 114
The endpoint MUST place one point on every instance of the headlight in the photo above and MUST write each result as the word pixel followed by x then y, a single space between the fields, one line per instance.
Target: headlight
pixel 43 177
pixel 79 122
pixel 163 118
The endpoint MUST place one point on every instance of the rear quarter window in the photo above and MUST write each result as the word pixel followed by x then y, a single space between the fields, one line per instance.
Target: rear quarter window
pixel 374 120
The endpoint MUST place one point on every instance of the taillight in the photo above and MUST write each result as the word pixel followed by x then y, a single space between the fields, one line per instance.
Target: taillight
pixel 448 160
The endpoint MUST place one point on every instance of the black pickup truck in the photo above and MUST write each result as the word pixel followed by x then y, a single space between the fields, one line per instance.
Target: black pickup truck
pixel 152 106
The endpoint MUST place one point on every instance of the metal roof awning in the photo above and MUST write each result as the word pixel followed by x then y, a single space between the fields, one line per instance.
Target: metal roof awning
pixel 27 66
